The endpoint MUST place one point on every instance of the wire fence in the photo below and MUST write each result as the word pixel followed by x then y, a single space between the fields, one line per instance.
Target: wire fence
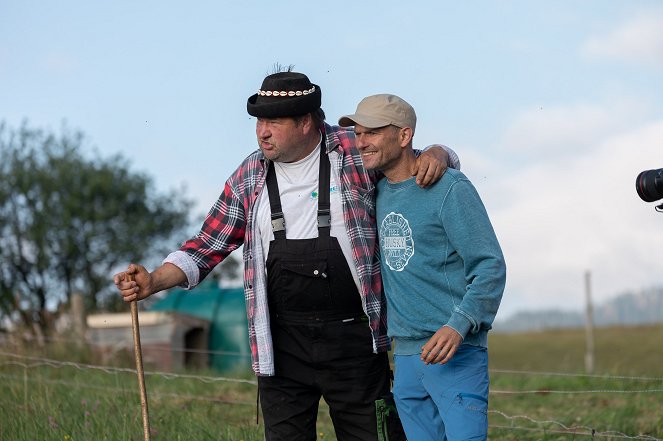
pixel 513 423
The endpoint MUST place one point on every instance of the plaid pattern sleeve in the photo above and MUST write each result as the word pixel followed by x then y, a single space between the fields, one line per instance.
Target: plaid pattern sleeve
pixel 222 232
pixel 185 263
pixel 228 225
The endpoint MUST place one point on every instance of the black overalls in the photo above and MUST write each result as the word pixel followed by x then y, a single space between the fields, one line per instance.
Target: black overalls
pixel 321 336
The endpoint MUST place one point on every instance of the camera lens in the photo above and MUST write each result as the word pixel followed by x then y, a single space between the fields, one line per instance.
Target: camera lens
pixel 649 185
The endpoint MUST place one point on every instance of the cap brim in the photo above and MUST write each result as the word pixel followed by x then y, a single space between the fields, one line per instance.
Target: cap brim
pixel 367 121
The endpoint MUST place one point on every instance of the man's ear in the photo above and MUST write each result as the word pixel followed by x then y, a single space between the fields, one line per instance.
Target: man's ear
pixel 405 136
pixel 309 122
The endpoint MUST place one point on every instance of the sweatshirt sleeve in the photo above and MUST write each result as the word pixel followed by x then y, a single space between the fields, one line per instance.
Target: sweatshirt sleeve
pixel 470 232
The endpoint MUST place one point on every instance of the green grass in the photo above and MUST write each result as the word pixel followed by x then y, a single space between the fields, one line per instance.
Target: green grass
pixel 604 401
pixel 55 401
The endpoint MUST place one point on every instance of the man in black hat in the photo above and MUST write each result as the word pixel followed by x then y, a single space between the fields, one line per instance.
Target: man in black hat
pixel 303 207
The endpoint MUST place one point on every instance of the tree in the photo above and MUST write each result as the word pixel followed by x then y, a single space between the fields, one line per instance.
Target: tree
pixel 67 221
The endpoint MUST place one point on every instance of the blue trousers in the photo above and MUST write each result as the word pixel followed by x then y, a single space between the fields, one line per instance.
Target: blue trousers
pixel 443 402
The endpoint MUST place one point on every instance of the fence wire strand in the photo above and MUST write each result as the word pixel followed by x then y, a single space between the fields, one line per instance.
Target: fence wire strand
pixel 30 362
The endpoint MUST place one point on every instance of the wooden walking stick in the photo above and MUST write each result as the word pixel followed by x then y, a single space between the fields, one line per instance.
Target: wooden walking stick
pixel 139 365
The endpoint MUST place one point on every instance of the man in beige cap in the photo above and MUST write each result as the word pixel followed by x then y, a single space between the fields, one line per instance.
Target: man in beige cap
pixel 443 273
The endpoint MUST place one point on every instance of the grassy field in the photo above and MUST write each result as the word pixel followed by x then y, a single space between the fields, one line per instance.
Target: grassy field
pixel 538 392
pixel 623 400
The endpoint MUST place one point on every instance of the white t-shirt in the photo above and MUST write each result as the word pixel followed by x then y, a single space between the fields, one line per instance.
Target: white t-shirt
pixel 298 186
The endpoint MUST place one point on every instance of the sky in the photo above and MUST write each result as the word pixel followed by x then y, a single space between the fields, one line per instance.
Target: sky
pixel 554 107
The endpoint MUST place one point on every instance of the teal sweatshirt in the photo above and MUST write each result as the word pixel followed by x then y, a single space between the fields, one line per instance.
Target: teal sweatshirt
pixel 441 261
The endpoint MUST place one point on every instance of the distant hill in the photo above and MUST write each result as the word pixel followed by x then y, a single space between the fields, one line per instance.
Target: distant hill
pixel 645 307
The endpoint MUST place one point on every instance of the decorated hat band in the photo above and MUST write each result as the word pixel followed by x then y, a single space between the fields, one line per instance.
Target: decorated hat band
pixel 284 94
pixel 277 93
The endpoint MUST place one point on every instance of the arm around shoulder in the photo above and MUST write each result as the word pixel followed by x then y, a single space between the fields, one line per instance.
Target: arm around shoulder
pixel 432 163
pixel 453 160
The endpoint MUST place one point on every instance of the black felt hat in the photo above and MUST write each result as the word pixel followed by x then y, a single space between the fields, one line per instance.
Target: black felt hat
pixel 284 94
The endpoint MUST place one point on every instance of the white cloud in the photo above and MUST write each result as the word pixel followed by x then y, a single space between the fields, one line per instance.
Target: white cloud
pixel 548 132
pixel 638 40
pixel 575 208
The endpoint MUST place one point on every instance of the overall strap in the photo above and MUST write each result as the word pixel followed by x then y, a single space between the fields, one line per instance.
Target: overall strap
pixel 278 221
pixel 324 212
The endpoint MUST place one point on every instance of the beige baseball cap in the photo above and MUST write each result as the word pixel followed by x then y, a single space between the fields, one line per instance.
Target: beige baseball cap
pixel 381 110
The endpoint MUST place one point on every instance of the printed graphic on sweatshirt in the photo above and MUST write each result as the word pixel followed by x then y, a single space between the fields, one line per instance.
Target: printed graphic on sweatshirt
pixel 396 241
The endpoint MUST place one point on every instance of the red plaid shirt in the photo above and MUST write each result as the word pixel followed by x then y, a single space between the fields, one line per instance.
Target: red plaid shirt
pixel 231 223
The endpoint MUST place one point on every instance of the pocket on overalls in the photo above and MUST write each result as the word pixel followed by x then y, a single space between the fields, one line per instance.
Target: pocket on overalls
pixel 316 269
pixel 304 285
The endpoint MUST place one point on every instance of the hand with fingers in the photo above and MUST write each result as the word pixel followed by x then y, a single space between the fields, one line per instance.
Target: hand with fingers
pixel 134 284
pixel 441 346
pixel 430 165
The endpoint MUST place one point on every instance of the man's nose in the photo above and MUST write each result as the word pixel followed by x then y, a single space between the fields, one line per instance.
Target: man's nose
pixel 262 131
pixel 360 141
